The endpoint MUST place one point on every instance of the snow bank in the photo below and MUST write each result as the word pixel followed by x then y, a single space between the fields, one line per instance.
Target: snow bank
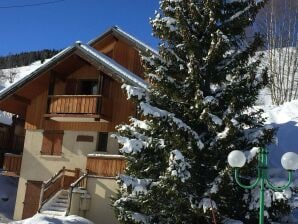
pixel 285 119
pixel 8 186
pixel 43 219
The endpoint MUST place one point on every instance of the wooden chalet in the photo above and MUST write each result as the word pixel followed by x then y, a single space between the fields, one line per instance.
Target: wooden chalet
pixel 70 106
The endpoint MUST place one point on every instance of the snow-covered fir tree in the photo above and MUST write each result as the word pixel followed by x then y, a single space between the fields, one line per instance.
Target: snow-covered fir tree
pixel 197 109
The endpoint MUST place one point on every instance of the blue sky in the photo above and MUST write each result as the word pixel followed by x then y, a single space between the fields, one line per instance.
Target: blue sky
pixel 59 25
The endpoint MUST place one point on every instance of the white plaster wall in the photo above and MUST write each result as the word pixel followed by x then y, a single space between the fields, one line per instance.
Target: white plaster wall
pixel 20 199
pixel 41 167
pixel 101 190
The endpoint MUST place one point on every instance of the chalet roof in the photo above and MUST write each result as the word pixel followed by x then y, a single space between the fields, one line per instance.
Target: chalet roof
pixel 117 32
pixel 87 52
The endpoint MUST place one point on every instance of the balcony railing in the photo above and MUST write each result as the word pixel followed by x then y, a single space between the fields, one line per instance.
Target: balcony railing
pixel 74 104
pixel 12 164
pixel 105 165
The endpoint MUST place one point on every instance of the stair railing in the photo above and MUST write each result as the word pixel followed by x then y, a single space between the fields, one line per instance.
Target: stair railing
pixel 61 180
pixel 79 183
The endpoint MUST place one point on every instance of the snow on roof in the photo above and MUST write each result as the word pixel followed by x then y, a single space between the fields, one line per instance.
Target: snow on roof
pixel 125 74
pixel 139 44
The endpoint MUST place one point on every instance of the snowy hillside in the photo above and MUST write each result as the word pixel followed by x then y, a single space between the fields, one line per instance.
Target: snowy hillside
pixel 18 73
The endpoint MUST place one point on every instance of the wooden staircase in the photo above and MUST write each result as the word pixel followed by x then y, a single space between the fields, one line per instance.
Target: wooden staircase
pixel 54 196
pixel 57 205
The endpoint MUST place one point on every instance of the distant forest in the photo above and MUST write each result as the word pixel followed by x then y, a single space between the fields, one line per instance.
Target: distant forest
pixel 25 58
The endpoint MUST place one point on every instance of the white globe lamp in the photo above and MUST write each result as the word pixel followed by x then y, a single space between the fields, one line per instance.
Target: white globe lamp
pixel 236 159
pixel 289 161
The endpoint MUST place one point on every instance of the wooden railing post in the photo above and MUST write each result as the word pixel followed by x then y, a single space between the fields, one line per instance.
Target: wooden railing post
pixel 63 177
pixel 77 172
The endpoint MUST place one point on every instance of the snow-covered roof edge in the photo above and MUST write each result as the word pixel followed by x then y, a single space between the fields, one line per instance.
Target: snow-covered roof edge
pixel 113 66
pixel 119 32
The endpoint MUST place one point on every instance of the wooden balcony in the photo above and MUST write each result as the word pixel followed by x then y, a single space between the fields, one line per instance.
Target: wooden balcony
pixel 93 106
pixel 105 165
pixel 74 104
pixel 12 164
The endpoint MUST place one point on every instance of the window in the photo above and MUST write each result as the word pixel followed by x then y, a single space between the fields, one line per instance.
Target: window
pixel 102 141
pixel 52 143
pixel 81 87
pixel 88 87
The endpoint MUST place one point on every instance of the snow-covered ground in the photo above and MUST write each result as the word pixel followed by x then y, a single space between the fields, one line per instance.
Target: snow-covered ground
pixel 43 219
pixel 8 191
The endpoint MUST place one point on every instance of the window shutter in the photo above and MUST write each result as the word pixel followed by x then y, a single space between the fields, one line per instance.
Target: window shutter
pixel 52 143
pixel 57 144
pixel 46 148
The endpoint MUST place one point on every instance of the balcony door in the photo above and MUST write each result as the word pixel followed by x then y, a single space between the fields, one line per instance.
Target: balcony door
pixel 82 87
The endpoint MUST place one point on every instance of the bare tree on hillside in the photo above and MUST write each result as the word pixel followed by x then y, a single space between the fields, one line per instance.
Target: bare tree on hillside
pixel 279 22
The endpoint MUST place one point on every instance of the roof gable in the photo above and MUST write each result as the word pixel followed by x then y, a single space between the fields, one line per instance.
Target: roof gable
pixel 116 32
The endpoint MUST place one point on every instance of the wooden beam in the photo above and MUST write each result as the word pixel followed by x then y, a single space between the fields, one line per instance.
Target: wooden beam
pixel 21 99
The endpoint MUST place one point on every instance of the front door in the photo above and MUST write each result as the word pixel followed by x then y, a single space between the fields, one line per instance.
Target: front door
pixel 32 195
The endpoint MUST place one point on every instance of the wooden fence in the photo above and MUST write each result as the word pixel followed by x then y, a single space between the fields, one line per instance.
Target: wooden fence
pixel 12 164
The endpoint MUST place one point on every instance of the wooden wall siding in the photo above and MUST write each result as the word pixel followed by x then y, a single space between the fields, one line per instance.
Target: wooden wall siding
pixel 123 108
pixel 36 110
pixel 85 72
pixel 12 163
pixel 18 143
pixel 5 137
pixel 105 43
pixel 74 104
pixel 128 57
pixel 35 87
pixel 31 201
pixel 13 106
pixel 103 166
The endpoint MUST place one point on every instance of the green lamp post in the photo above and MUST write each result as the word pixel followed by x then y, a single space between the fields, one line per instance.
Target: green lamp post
pixel 289 161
